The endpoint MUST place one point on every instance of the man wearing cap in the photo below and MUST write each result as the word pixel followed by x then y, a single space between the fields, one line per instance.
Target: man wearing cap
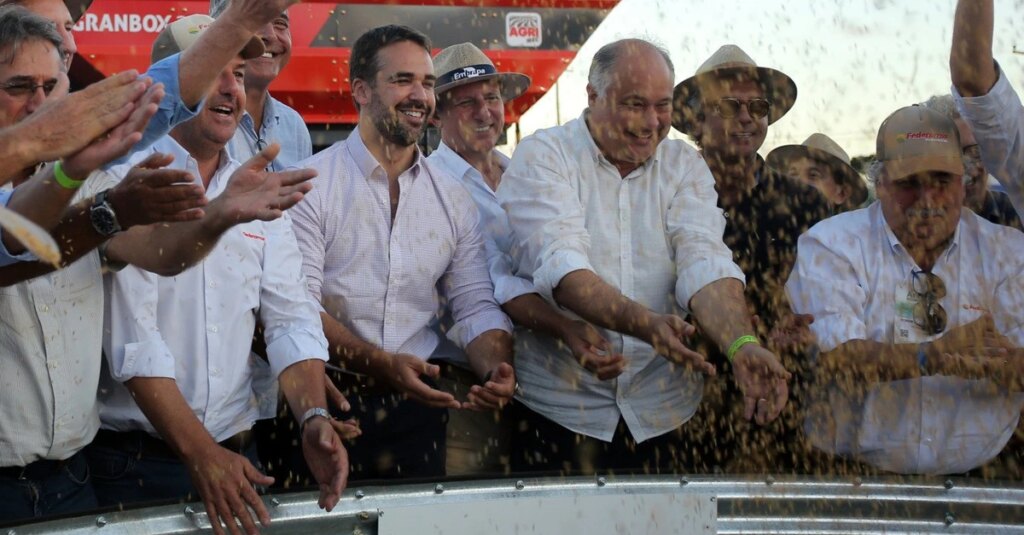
pixel 995 206
pixel 178 381
pixel 386 238
pixel 726 108
pixel 471 97
pixel 986 99
pixel 266 119
pixel 823 164
pixel 918 308
pixel 585 202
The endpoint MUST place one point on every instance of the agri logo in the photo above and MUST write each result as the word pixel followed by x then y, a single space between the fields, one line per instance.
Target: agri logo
pixel 523 29
pixel 922 136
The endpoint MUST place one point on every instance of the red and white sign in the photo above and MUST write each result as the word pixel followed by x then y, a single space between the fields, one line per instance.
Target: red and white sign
pixel 523 29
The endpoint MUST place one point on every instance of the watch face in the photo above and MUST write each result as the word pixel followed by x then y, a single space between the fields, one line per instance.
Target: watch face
pixel 104 221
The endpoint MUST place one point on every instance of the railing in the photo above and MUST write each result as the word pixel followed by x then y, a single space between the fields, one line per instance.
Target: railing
pixel 615 505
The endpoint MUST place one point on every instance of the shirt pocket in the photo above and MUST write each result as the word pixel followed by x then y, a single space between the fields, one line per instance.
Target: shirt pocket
pixel 236 269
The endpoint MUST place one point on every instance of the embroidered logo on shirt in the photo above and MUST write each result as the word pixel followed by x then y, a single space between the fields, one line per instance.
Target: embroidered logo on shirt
pixel 975 308
pixel 254 236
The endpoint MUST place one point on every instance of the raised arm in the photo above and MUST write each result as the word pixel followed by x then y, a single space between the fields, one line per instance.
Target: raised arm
pixel 971 65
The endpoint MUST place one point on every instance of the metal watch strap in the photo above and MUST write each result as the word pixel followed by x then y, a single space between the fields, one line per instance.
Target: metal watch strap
pixel 313 413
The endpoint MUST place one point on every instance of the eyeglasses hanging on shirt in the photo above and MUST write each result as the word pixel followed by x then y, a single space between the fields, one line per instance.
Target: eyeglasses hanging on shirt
pixel 928 313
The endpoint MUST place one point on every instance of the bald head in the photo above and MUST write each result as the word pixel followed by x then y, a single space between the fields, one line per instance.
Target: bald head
pixel 618 57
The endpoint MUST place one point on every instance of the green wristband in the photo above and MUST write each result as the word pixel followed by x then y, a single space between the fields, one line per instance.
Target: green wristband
pixel 740 342
pixel 64 180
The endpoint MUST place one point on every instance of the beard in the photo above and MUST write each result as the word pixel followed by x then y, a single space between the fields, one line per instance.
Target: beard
pixel 390 125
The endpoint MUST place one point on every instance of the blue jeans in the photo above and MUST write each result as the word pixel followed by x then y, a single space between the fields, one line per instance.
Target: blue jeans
pixel 65 490
pixel 131 474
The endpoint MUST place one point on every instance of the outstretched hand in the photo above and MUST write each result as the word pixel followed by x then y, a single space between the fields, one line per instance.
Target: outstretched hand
pixel 253 193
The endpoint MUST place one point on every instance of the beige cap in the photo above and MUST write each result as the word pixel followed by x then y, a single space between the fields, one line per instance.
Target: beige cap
pixel 822 148
pixel 915 139
pixel 180 34
pixel 464 63
pixel 732 61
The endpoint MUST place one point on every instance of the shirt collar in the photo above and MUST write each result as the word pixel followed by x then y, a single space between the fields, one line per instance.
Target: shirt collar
pixel 894 242
pixel 459 167
pixel 270 111
pixel 366 162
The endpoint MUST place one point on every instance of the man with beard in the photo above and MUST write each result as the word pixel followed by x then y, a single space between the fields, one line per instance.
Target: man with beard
pixel 995 206
pixel 986 99
pixel 726 108
pixel 387 238
pixel 918 308
pixel 177 398
pixel 618 225
pixel 266 119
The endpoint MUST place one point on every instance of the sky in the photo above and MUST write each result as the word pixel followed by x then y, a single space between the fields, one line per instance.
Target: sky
pixel 854 61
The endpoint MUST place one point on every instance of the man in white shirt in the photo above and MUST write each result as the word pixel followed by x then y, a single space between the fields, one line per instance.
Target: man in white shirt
pixel 385 235
pixel 986 99
pixel 918 308
pixel 587 203
pixel 51 326
pixel 471 97
pixel 178 381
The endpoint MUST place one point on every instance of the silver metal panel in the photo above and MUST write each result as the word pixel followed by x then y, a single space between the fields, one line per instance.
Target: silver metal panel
pixel 623 514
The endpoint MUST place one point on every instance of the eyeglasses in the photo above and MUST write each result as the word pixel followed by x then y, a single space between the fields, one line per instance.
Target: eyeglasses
pixel 729 107
pixel 26 88
pixel 928 313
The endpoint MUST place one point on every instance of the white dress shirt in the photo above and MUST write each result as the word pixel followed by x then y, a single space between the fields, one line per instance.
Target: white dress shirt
pixel 656 235
pixel 854 276
pixel 197 327
pixel 50 355
pixel 997 120
pixel 382 280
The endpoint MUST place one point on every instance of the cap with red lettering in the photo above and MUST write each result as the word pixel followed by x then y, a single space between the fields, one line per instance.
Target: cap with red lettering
pixel 916 139
pixel 180 34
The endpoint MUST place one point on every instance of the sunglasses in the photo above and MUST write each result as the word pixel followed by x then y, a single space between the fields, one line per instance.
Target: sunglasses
pixel 729 107
pixel 928 313
pixel 26 88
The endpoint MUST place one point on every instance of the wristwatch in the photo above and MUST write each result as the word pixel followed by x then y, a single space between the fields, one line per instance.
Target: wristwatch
pixel 313 413
pixel 102 215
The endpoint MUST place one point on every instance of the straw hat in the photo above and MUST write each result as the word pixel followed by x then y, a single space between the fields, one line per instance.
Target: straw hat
pixel 464 63
pixel 821 147
pixel 732 61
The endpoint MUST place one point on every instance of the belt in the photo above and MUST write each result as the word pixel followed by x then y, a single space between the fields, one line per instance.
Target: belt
pixel 148 445
pixel 40 469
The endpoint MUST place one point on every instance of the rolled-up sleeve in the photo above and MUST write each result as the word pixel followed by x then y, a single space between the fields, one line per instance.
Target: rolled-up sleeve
pixel 133 343
pixel 308 225
pixel 507 285
pixel 467 282
pixel 824 284
pixel 997 120
pixel 291 320
pixel 545 214
pixel 695 226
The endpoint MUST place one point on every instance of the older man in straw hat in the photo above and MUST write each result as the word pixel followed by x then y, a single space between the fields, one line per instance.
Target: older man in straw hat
pixel 820 162
pixel 919 314
pixel 726 108
pixel 618 226
pixel 389 239
pixel 471 98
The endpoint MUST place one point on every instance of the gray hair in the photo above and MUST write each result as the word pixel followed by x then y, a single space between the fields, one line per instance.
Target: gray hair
pixel 942 104
pixel 600 76
pixel 19 26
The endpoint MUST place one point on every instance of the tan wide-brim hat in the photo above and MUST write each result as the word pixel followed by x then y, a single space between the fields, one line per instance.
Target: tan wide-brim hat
pixel 731 62
pixel 823 149
pixel 916 139
pixel 182 33
pixel 464 63
pixel 77 8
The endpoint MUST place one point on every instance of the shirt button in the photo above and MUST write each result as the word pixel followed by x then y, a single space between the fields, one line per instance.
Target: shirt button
pixel 213 284
pixel 46 308
pixel 213 328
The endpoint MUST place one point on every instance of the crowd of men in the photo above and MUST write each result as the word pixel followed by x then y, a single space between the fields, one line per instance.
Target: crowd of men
pixel 568 309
